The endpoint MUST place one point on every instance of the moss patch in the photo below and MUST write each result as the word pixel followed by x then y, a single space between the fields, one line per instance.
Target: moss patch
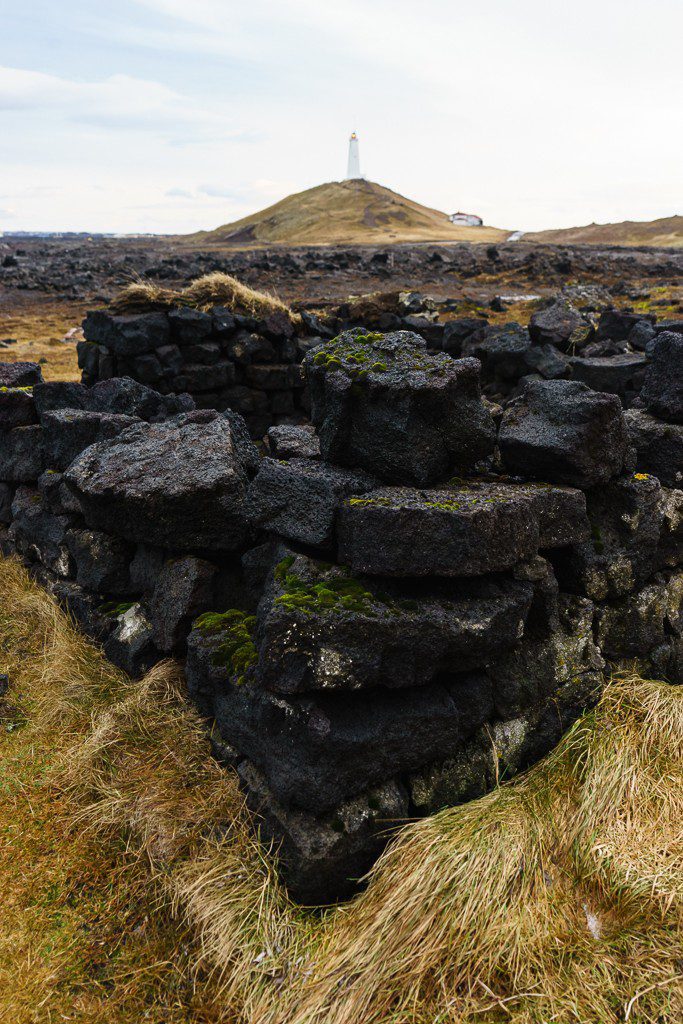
pixel 236 650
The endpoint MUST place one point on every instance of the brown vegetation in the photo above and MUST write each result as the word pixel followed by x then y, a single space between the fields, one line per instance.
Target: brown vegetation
pixel 558 897
pixel 667 231
pixel 205 292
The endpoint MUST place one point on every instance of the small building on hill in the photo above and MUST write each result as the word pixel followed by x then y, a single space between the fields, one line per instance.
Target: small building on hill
pixel 469 219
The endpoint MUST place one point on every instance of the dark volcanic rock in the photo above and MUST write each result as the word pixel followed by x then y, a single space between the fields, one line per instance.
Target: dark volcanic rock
pixel 658 445
pixel 68 432
pixel 131 644
pixel 178 484
pixel 627 518
pixel 102 562
pixel 21 454
pixel 290 442
pixel 386 405
pixel 318 628
pixel 617 325
pixel 299 499
pixel 465 530
pixel 662 390
pixel 20 375
pixel 560 325
pixel 563 432
pixel 126 335
pixel 17 408
pixel 322 858
pixel 619 375
pixel 325 747
pixel 184 588
pixel 38 534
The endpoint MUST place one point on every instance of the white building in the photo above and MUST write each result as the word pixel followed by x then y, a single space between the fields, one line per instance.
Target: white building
pixel 353 166
pixel 470 219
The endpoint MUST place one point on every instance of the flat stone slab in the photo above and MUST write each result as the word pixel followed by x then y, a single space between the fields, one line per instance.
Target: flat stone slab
pixel 319 628
pixel 384 404
pixel 462 530
pixel 179 484
pixel 659 446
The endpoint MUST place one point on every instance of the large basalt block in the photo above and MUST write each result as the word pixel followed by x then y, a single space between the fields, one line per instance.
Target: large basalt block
pixel 561 325
pixel 299 499
pixel 637 625
pixel 386 405
pixel 619 375
pixel 20 375
pixel 38 534
pixel 68 432
pixel 319 628
pixel 321 858
pixel 662 390
pixel 184 588
pixel 318 750
pixel 17 408
pixel 21 454
pixel 467 529
pixel 622 552
pixel 563 432
pixel 102 562
pixel 658 445
pixel 126 335
pixel 179 484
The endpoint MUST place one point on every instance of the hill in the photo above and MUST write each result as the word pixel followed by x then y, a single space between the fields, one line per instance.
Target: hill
pixel 667 231
pixel 344 212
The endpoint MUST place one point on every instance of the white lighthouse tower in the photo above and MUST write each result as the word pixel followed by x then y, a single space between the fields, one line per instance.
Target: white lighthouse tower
pixel 353 168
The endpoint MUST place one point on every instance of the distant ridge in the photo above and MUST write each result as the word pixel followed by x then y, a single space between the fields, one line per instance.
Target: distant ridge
pixel 665 232
pixel 344 212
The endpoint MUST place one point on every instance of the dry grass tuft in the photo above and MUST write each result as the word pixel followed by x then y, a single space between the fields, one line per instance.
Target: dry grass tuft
pixel 215 289
pixel 556 898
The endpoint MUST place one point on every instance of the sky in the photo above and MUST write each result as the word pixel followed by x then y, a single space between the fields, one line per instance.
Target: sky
pixel 176 115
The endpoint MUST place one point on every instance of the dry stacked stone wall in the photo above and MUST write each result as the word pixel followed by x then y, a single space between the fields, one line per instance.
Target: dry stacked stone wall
pixel 404 602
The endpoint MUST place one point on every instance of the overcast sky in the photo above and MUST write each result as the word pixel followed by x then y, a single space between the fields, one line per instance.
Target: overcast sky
pixel 174 115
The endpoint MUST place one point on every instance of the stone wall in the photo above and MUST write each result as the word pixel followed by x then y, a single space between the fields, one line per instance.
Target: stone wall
pixel 399 606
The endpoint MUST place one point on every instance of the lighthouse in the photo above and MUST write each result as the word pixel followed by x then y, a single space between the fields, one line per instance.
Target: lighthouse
pixel 353 168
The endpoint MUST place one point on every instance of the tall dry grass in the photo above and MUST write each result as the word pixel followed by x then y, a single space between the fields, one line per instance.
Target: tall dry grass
pixel 216 289
pixel 556 898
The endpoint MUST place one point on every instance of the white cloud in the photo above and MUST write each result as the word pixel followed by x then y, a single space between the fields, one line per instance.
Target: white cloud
pixel 119 102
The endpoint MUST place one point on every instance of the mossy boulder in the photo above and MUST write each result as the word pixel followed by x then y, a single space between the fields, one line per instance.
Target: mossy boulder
pixel 383 403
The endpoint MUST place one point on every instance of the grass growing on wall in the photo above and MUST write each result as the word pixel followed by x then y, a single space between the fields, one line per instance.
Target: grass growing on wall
pixel 133 889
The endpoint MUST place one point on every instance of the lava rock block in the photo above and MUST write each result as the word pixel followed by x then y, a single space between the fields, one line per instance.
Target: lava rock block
pixel 539 666
pixel 184 588
pixel 563 432
pixel 616 325
pixel 20 375
pixel 68 432
pixel 38 534
pixel 636 625
pixel 290 442
pixel 21 454
pixel 17 408
pixel 102 562
pixel 56 495
pixel 127 397
pixel 189 326
pixel 179 484
pixel 561 325
pixel 319 628
pixel 126 335
pixel 619 375
pixel 320 859
pixel 662 390
pixel 658 445
pixel 299 499
pixel 6 498
pixel 319 749
pixel 464 530
pixel 384 404
pixel 622 552
pixel 131 644
pixel 57 394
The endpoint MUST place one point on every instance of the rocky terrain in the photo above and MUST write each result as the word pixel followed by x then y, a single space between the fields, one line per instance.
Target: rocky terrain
pixel 412 590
